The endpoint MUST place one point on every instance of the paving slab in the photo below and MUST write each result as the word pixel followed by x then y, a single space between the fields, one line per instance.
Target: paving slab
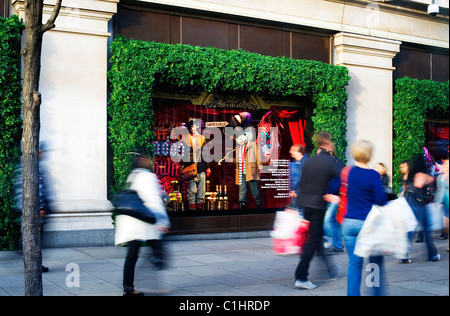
pixel 215 268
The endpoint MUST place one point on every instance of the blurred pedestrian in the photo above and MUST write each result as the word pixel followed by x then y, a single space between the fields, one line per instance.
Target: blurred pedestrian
pixel 442 193
pixel 363 191
pixel 299 157
pixel 45 198
pixel 317 172
pixel 331 225
pixel 133 232
pixel 44 191
pixel 381 169
pixel 404 169
pixel 418 195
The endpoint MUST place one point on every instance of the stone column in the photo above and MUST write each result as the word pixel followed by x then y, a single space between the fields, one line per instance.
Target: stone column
pixel 73 84
pixel 369 107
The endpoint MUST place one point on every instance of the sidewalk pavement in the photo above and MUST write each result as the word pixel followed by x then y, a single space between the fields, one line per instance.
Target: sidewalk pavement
pixel 236 267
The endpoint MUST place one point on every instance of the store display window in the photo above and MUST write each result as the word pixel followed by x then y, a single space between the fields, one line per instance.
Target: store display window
pixel 436 144
pixel 236 147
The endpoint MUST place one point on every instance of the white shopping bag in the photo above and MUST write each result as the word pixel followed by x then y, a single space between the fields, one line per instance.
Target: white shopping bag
pixel 385 231
pixel 286 224
pixel 403 211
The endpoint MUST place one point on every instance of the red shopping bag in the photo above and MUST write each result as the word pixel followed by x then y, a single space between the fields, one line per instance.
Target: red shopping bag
pixel 289 234
pixel 302 233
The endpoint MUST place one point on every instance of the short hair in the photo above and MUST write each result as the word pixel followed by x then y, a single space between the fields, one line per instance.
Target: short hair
pixel 322 138
pixel 362 151
pixel 139 155
pixel 298 147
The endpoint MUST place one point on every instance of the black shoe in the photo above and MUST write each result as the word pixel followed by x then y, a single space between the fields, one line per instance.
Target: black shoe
pixel 328 252
pixel 242 205
pixel 338 250
pixel 404 261
pixel 45 269
pixel 135 293
pixel 419 238
pixel 436 258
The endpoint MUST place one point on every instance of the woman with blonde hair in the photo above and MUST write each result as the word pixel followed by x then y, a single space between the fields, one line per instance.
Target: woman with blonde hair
pixel 363 191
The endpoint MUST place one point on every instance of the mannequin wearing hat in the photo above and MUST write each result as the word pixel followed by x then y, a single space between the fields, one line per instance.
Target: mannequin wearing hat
pixel 196 187
pixel 248 166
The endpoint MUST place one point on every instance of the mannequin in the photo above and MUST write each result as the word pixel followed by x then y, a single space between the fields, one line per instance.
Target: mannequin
pixel 196 187
pixel 248 166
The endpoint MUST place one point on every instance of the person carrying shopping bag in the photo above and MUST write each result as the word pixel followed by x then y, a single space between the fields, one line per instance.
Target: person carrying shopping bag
pixel 442 192
pixel 364 189
pixel 317 172
pixel 134 232
pixel 418 195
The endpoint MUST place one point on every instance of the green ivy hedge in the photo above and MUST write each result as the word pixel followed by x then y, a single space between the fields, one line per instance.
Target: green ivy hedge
pixel 10 127
pixel 414 101
pixel 137 66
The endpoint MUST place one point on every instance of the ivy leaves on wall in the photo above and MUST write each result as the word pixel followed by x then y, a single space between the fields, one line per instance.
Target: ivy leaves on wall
pixel 137 66
pixel 414 101
pixel 10 127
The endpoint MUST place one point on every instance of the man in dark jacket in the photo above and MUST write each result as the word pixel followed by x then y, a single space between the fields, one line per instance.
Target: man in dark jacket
pixel 317 172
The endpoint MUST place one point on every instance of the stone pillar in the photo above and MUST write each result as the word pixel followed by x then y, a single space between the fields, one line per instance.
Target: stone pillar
pixel 369 107
pixel 73 84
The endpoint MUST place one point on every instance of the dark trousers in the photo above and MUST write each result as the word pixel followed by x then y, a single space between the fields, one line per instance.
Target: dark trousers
pixel 313 243
pixel 158 259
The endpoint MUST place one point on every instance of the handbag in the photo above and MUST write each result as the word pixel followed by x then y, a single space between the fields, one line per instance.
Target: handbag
pixel 128 202
pixel 342 207
pixel 188 173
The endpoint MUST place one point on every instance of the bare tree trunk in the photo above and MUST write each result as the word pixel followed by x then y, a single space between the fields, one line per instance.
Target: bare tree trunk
pixel 31 102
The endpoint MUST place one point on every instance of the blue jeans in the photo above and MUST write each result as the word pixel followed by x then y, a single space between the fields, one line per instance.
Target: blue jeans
pixel 331 226
pixel 350 231
pixel 420 211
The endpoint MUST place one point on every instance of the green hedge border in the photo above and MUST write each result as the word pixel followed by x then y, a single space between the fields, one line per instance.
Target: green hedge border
pixel 137 66
pixel 415 101
pixel 10 127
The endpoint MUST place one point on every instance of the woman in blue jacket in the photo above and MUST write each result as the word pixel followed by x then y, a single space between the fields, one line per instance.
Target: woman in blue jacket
pixel 363 191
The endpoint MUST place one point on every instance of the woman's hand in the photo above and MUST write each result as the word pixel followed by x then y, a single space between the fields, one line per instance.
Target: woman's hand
pixel 331 198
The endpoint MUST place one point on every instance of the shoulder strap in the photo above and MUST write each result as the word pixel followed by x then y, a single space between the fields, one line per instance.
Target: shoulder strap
pixel 344 182
pixel 344 174
pixel 342 207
